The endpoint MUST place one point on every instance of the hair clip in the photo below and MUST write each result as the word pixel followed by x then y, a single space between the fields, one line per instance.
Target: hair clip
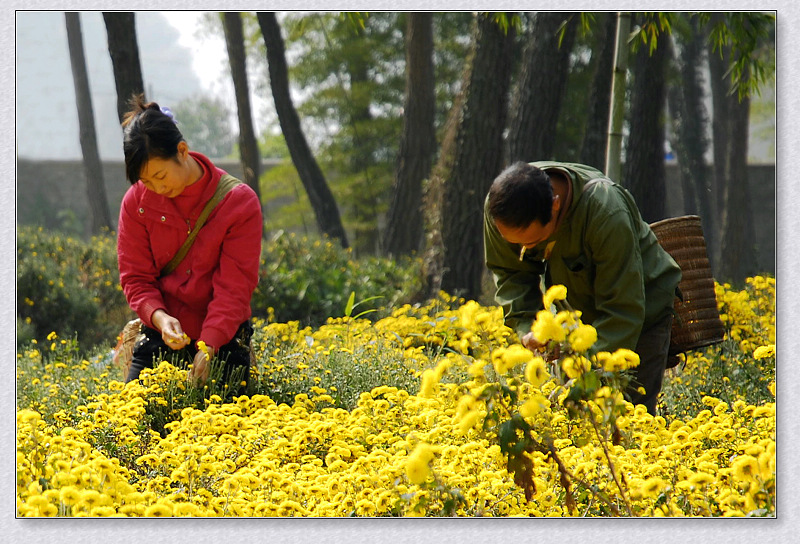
pixel 168 112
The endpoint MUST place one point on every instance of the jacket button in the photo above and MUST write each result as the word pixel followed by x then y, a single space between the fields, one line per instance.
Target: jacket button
pixel 163 218
pixel 188 272
pixel 141 210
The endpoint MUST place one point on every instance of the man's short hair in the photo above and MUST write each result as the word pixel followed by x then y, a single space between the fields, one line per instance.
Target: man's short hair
pixel 520 195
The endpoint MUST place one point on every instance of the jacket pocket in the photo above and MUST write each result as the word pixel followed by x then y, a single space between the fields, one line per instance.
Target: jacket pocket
pixel 575 264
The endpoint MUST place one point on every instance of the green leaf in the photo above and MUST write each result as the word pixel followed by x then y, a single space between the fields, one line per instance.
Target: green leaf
pixel 348 309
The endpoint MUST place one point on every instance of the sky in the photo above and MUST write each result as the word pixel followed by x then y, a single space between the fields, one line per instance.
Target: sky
pixel 177 62
pixel 208 52
pixel 46 114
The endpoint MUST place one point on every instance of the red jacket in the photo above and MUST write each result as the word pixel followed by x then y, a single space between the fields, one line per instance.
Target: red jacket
pixel 210 291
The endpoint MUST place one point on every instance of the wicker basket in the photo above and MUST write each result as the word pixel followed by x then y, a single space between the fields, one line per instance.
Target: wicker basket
pixel 697 323
pixel 123 352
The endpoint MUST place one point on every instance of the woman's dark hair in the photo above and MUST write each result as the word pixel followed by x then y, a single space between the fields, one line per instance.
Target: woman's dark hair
pixel 148 133
pixel 520 195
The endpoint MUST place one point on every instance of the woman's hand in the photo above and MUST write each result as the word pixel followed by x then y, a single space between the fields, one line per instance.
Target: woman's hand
pixel 198 373
pixel 171 330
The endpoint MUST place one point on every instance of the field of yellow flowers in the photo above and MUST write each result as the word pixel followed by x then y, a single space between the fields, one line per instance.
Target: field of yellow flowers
pixel 430 411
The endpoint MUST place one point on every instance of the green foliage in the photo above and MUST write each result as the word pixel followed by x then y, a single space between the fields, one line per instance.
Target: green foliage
pixel 751 37
pixel 352 68
pixel 310 280
pixel 572 121
pixel 71 287
pixel 344 375
pixel 68 286
pixel 205 122
pixel 54 379
pixel 723 372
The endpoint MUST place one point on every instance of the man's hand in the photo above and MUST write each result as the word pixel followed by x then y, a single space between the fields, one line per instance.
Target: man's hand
pixel 198 373
pixel 171 330
pixel 530 342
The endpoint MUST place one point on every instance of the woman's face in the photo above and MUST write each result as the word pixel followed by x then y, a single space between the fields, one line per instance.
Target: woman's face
pixel 168 177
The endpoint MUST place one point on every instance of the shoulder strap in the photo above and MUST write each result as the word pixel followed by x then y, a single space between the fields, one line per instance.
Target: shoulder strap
pixel 226 183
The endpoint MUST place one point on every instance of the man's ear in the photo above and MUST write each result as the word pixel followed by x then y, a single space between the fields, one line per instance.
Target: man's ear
pixel 556 205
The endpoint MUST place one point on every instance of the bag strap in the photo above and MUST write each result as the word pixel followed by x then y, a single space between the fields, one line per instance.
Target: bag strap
pixel 226 183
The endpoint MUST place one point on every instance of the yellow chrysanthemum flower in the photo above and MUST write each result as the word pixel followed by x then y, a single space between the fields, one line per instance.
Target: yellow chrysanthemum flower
pixel 536 372
pixel 573 367
pixel 204 348
pixel 556 292
pixel 651 487
pixel 534 405
pixel 583 337
pixel 506 359
pixel 762 352
pixel 545 328
pixel 418 464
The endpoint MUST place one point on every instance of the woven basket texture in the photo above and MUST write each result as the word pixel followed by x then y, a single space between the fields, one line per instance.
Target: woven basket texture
pixel 697 323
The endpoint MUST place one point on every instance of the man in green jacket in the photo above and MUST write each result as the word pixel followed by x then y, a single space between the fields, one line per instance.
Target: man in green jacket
pixel 551 223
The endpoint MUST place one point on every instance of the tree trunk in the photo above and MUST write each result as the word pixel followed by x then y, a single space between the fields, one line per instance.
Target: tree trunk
pixel 645 176
pixel 720 88
pixel 362 161
pixel 735 254
pixel 124 51
pixel 403 234
pixel 593 148
pixel 739 256
pixel 93 169
pixel 319 194
pixel 540 87
pixel 690 121
pixel 248 144
pixel 616 114
pixel 476 155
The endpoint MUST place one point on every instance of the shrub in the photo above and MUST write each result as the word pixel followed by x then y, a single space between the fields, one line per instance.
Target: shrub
pixel 68 286
pixel 311 280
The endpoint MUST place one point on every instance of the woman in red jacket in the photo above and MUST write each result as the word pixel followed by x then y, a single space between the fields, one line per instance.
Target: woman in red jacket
pixel 205 301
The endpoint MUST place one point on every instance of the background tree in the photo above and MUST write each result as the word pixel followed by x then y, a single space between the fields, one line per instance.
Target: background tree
pixel 737 62
pixel 319 194
pixel 93 169
pixel 595 137
pixel 404 223
pixel 205 122
pixel 472 156
pixel 644 172
pixel 540 86
pixel 237 57
pixel 616 115
pixel 352 68
pixel 124 51
pixel 690 121
pixel 326 48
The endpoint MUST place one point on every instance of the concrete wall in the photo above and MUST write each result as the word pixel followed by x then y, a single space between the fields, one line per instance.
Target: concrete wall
pixel 762 181
pixel 53 193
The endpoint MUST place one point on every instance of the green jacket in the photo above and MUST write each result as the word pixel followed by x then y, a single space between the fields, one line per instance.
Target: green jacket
pixel 611 263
